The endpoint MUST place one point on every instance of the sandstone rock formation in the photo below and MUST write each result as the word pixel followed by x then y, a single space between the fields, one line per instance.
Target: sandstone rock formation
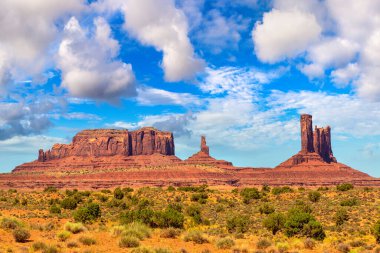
pixel 203 157
pixel 315 146
pixel 111 142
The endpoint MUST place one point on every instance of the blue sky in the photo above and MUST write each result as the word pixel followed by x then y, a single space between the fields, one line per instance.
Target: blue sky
pixel 239 72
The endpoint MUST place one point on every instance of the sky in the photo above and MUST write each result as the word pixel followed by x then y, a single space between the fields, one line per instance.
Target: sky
pixel 239 72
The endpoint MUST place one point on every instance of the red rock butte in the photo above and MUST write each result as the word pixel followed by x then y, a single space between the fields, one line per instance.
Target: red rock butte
pixel 103 158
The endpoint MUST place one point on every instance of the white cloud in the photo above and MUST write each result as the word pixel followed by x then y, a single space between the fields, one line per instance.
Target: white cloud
pixel 89 69
pixel 344 76
pixel 152 96
pixel 284 34
pixel 27 33
pixel 29 144
pixel 162 25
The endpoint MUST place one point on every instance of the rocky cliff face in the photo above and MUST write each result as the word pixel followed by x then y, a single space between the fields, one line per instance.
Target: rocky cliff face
pixel 110 142
pixel 322 143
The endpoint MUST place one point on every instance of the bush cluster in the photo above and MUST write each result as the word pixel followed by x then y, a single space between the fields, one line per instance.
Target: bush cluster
pixel 88 213
pixel 249 194
pixel 344 187
pixel 280 190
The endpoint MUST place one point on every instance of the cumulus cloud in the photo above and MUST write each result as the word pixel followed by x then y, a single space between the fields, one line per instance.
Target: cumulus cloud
pixel 346 49
pixel 162 25
pixel 88 64
pixel 22 118
pixel 284 34
pixel 27 32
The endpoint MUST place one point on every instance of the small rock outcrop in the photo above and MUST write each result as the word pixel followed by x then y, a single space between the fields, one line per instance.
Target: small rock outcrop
pixel 315 145
pixel 203 157
pixel 111 142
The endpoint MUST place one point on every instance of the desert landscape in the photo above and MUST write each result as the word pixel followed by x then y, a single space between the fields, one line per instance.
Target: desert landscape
pixel 189 126
pixel 120 191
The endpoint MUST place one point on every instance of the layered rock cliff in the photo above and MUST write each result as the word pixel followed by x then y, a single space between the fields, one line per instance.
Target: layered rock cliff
pixel 111 142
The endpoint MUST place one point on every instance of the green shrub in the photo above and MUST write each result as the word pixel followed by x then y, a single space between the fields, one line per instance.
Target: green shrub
pixel 21 235
pixel 280 190
pixel 141 215
pixel 194 211
pixel 196 237
pixel 266 209
pixel 50 249
pixel 265 188
pixel 138 230
pixel 69 203
pixel 274 222
pixel 322 188
pixel 63 235
pixel 10 223
pixel 50 189
pixel 118 193
pixel 142 250
pixel 171 188
pixel 249 194
pixel 168 218
pixel 199 197
pixel 129 242
pixel 263 243
pixel 299 222
pixel 54 209
pixel 314 196
pixel 349 202
pixel 74 228
pixel 88 213
pixel 340 217
pixel 238 224
pixel 225 243
pixel 344 187
pixel 85 240
pixel 376 231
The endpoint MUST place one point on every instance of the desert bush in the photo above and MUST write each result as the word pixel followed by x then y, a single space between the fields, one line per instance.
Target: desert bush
pixel 85 240
pixel 171 188
pixel 50 189
pixel 280 190
pixel 349 202
pixel 69 203
pixel 39 246
pixel 54 209
pixel 201 188
pixel 162 250
pixel 142 250
pixel 249 194
pixel 74 228
pixel 322 188
pixel 63 235
pixel 138 230
pixel 21 235
pixel 127 189
pixel 340 217
pixel 314 196
pixel 195 236
pixel 170 233
pixel 194 211
pixel 299 222
pixel 72 244
pixel 376 231
pixel 344 187
pixel 129 242
pixel 225 243
pixel 266 209
pixel 10 223
pixel 88 213
pixel 263 243
pixel 118 193
pixel 308 243
pixel 274 222
pixel 238 224
pixel 199 197
pixel 141 215
pixel 342 247
pixel 265 188
pixel 168 218
pixel 50 249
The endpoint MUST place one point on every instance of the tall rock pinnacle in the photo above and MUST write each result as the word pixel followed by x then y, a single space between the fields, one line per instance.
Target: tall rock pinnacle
pixel 204 148
pixel 307 145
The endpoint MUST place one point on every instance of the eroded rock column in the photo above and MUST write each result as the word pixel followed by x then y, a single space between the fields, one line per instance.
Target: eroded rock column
pixel 307 133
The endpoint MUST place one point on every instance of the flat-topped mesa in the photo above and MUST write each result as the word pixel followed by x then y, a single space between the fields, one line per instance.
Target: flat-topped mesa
pixel 110 142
